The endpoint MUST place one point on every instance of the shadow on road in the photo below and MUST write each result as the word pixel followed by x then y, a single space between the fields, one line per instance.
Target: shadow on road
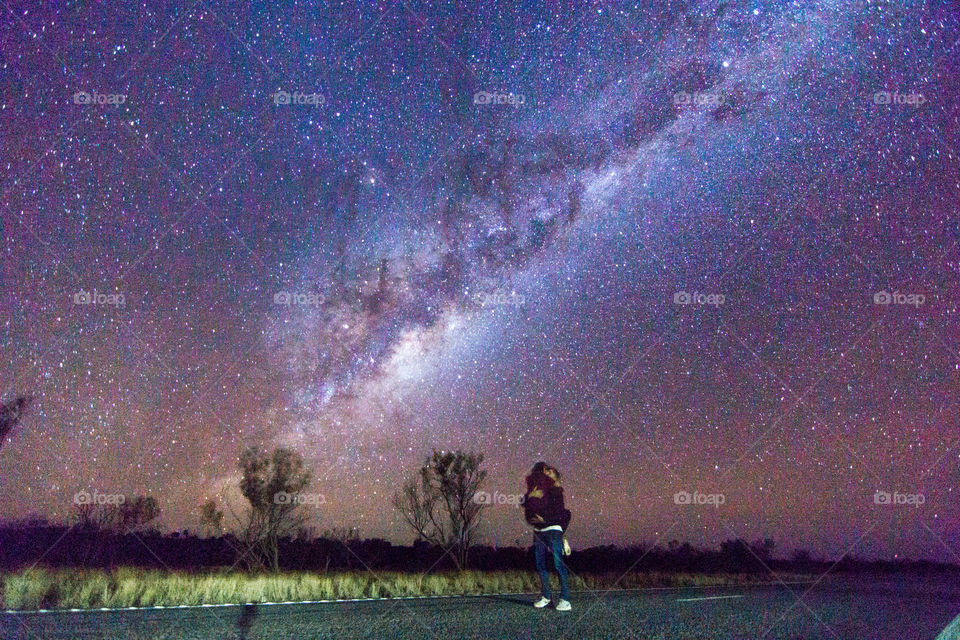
pixel 521 600
pixel 247 615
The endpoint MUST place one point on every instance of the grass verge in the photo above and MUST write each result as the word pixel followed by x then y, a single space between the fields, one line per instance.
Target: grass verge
pixel 41 588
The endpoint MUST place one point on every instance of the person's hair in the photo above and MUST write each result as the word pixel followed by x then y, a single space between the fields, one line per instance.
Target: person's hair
pixel 541 467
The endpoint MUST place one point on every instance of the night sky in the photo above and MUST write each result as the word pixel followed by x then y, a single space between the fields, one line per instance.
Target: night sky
pixel 486 219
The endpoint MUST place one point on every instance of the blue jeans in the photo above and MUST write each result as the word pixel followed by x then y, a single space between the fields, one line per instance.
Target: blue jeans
pixel 554 540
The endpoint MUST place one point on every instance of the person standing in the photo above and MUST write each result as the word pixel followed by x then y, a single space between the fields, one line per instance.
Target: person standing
pixel 545 512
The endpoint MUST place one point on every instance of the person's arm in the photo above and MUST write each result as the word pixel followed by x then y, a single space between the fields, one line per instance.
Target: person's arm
pixel 535 495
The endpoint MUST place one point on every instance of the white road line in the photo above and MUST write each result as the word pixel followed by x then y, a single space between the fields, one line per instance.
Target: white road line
pixel 707 598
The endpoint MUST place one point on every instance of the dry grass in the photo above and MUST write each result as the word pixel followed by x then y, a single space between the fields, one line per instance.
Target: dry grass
pixel 41 588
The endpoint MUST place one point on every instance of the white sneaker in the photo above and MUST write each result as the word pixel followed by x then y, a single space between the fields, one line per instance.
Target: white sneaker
pixel 563 605
pixel 541 603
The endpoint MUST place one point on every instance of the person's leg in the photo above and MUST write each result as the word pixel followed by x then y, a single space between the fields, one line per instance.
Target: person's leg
pixel 540 553
pixel 556 545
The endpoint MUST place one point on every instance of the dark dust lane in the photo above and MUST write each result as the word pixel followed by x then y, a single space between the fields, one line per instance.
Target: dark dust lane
pixel 868 611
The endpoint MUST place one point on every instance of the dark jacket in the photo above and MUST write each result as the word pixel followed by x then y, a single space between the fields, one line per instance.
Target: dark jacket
pixel 549 507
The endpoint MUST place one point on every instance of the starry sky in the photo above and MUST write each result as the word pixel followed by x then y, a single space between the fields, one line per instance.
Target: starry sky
pixel 703 247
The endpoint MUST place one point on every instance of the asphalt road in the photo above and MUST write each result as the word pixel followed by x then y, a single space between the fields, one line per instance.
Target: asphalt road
pixel 887 611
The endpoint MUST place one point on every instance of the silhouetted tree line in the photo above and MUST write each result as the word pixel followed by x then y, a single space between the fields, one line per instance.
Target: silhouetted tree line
pixel 21 544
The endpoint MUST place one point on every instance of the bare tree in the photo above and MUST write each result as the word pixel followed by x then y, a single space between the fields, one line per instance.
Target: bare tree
pixel 271 483
pixel 440 503
pixel 117 518
pixel 10 414
pixel 342 534
pixel 211 517
pixel 104 521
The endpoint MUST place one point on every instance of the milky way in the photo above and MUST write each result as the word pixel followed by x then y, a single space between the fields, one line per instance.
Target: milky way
pixel 698 249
